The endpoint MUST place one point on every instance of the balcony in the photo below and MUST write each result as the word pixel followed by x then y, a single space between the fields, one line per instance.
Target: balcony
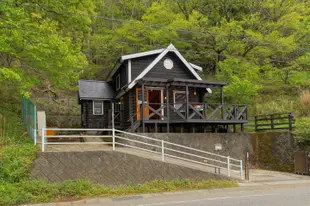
pixel 195 112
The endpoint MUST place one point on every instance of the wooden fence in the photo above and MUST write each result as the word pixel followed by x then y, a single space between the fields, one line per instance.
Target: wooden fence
pixel 3 126
pixel 282 121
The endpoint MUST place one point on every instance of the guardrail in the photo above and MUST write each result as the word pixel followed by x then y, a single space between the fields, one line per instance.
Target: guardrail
pixel 152 145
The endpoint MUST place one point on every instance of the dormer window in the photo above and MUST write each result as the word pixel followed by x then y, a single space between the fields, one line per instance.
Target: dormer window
pixel 118 82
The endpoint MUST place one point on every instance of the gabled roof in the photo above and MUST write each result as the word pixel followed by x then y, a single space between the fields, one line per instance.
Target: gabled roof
pixel 196 67
pixel 90 89
pixel 143 54
pixel 170 48
pixel 140 54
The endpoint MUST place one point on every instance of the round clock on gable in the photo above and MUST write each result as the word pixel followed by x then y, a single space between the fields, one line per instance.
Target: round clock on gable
pixel 168 63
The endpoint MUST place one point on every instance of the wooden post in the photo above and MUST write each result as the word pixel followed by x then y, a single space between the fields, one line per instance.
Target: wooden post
pixel 156 127
pixel 113 129
pixel 168 115
pixel 132 122
pixel 246 165
pixel 142 109
pixel 290 121
pixel 187 103
pixel 234 126
pixel 222 102
pixel 242 127
pixel 272 122
pixel 255 123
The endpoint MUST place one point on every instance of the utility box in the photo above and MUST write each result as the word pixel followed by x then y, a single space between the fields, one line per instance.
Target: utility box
pixel 302 162
pixel 41 120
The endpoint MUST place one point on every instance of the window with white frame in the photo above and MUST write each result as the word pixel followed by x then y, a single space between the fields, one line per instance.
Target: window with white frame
pixel 118 81
pixel 179 98
pixel 97 107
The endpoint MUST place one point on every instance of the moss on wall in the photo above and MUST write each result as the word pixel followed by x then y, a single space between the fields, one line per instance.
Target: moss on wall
pixel 274 151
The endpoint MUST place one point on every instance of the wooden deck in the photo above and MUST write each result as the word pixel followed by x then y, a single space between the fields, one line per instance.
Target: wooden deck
pixel 195 116
pixel 196 112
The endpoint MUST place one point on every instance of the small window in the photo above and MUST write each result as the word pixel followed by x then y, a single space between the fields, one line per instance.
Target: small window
pixel 118 82
pixel 97 107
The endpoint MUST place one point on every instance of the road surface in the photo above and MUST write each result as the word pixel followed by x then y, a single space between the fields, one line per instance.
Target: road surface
pixel 263 195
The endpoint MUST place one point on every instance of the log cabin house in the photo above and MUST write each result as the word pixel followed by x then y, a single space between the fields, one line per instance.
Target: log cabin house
pixel 157 91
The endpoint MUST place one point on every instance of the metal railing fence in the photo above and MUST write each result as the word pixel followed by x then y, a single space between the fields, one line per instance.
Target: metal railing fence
pixel 29 116
pixel 161 147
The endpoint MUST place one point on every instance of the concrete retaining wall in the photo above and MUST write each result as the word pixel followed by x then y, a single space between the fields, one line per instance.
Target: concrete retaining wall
pixel 268 150
pixel 274 150
pixel 109 168
pixel 233 144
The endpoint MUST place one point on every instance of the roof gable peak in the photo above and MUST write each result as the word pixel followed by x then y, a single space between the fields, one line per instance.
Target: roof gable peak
pixel 171 47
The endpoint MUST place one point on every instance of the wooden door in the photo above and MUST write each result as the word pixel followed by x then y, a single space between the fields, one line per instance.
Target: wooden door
pixel 139 102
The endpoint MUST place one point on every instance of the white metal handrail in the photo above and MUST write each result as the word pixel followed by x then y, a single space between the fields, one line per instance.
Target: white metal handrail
pixel 228 160
pixel 213 160
pixel 45 142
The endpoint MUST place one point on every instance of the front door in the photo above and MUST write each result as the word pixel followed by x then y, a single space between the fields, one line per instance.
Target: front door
pixel 139 102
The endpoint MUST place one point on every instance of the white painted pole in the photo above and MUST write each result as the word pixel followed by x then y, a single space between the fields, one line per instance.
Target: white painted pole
pixel 43 139
pixel 228 166
pixel 162 151
pixel 241 170
pixel 35 136
pixel 113 129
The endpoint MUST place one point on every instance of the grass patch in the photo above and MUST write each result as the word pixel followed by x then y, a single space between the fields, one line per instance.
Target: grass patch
pixel 15 162
pixel 39 191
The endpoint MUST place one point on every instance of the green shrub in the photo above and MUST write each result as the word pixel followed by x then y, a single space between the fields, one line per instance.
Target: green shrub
pixel 241 91
pixel 302 129
pixel 15 162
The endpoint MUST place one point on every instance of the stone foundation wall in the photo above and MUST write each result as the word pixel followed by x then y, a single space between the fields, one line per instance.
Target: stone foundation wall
pixel 109 168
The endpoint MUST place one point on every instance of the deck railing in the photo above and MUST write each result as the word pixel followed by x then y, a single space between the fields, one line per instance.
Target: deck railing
pixel 280 121
pixel 196 111
pixel 220 163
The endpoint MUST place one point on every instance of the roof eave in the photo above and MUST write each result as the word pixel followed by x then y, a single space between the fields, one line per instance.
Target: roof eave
pixel 95 98
pixel 140 54
pixel 196 67
pixel 115 68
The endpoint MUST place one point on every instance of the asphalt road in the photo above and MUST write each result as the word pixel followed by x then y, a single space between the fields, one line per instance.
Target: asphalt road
pixel 282 195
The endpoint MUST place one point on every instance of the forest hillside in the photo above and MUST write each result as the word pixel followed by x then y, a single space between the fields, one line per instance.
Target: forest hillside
pixel 261 48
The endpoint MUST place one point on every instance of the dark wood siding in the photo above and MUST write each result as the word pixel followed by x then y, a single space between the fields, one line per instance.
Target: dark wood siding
pixel 179 69
pixel 94 121
pixel 123 76
pixel 126 110
pixel 139 64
